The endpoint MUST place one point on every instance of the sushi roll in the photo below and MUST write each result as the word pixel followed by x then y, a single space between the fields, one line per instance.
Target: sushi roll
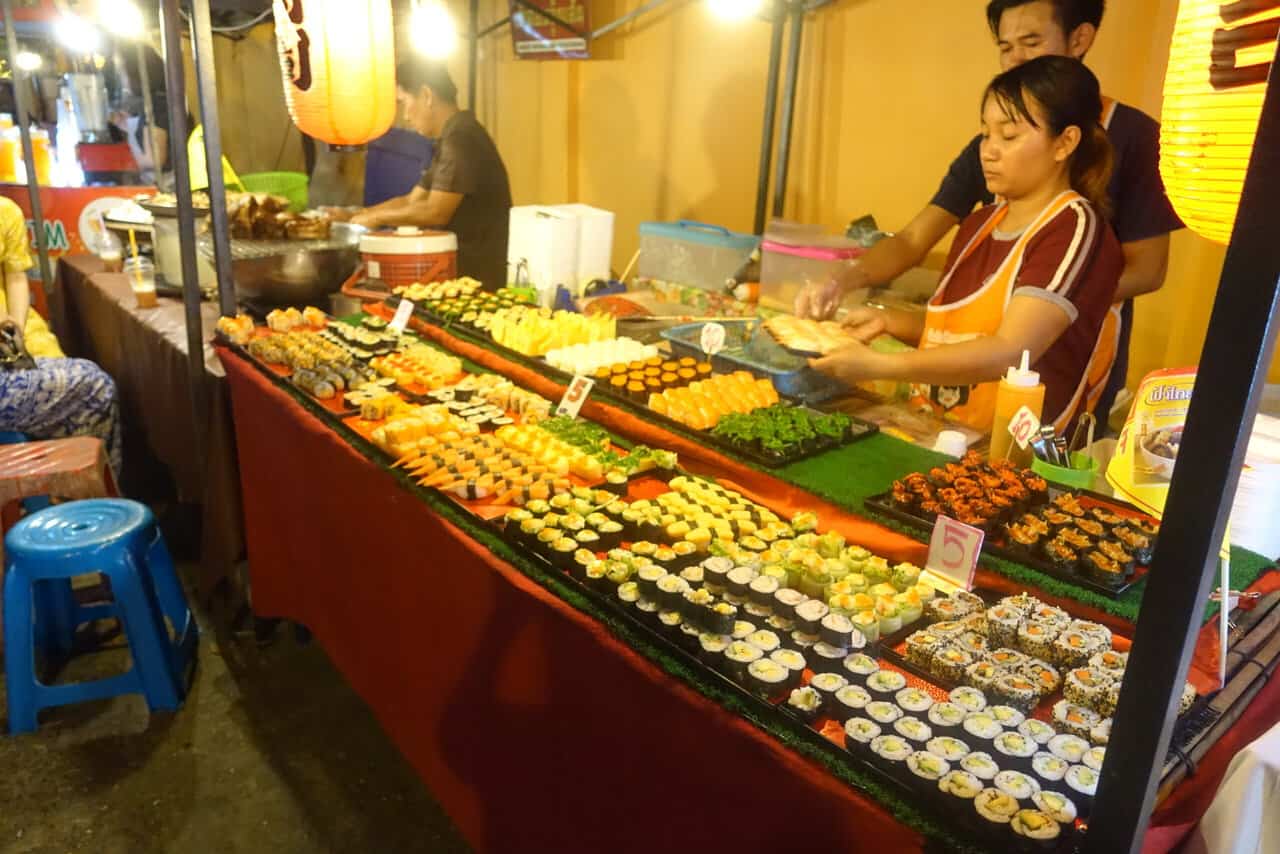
pixel 786 600
pixel 647 577
pixel 695 575
pixel 809 616
pixel 1094 757
pixel 1085 686
pixel 742 628
pixel 1056 805
pixel 793 661
pixel 982 675
pixel 926 770
pixel 850 700
pixel 1014 750
pixel 972 643
pixel 905 576
pixel 1037 730
pixel 1007 716
pixel 610 533
pixel 859 667
pixel 961 788
pixel 712 647
pixel 597 578
pixel 648 610
pixel 688 639
pixel 804 703
pixel 884 713
pixel 1110 662
pixel 1037 830
pixel 686 552
pixel 739 583
pixel 996 809
pixel 1135 543
pixel 859 732
pixel 671 590
pixel 670 620
pixel 738 657
pixel 890 754
pixel 1048 769
pixel 980 765
pixel 947 719
pixel 945 747
pixel 1100 568
pixel 1016 691
pixel 1008 659
pixel 1101 732
pixel 980 730
pixel 1017 785
pixel 886 682
pixel 1044 676
pixel 890 614
pixel 618 572
pixel 825 658
pixel 615 482
pixel 1083 783
pixel 914 700
pixel 1061 556
pixel 764 640
pixel 767 677
pixel 761 590
pixel 1073 719
pixel 1187 700
pixel 950 663
pixel 969 699
pixel 913 729
pixel 1003 623
pixel 1069 748
pixel 716 571
pixel 803 641
pixel 868 625
pixel 827 684
pixel 920 647
pixel 581 560
pixel 695 605
pixel 1036 639
pixel 836 630
pixel 720 617
pixel 780 625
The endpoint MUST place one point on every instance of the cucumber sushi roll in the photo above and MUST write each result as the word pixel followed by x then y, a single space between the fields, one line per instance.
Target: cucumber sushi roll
pixel 947 719
pixel 891 752
pixel 850 701
pixel 767 677
pixel 764 640
pixel 793 661
pixel 926 770
pixel 859 667
pixel 1056 805
pixel 688 638
pixel 712 647
pixel 858 735
pixel 581 560
pixel 882 712
pixel 628 593
pixel 738 657
pixel 886 682
pixel 610 533
pixel 980 765
pixel 913 730
pixel 671 589
pixel 804 703
pixel 596 579
pixel 1048 770
pixel 914 701
pixel 1083 783
pixel 809 616
pixel 969 699
pixel 825 658
pixel 1036 830
pixel 782 626
pixel 1037 730
pixel 647 577
pixel 1013 750
pixel 945 747
pixel 648 611
pixel 761 591
pixel 980 730
pixel 1069 748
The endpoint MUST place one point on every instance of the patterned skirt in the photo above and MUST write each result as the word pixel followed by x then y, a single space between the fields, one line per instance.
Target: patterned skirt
pixel 60 398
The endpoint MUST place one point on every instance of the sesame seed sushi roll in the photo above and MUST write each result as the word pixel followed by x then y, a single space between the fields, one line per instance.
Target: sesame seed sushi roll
pixel 738 657
pixel 1085 686
pixel 804 703
pixel 1017 785
pixel 1003 623
pixel 1094 757
pixel 950 663
pixel 802 641
pixel 1044 676
pixel 885 683
pixel 914 700
pixel 720 618
pixel 1008 659
pixel 926 770
pixel 980 765
pixel 1037 730
pixel 980 731
pixel 1048 770
pixel 995 809
pixel 1073 719
pixel 947 719
pixel 973 643
pixel 890 754
pixel 920 646
pixel 913 730
pixel 767 677
pixel 1074 648
pixel 1056 805
pixel 1035 830
pixel 1110 661
pixel 868 624
pixel 1013 750
pixel 882 712
pixel 859 667
pixel 712 646
pixel 1016 691
pixel 1083 783
pixel 969 699
pixel 939 610
pixel 850 701
pixel 793 661
pixel 982 675
pixel 859 732
pixel 1069 748
pixel 1036 639
pixel 825 658
pixel 1101 732
pixel 960 788
pixel 836 630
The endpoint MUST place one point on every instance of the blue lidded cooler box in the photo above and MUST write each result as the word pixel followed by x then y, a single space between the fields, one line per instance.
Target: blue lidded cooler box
pixel 693 253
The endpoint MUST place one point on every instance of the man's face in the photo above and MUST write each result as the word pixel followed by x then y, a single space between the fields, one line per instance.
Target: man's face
pixel 417 110
pixel 1029 31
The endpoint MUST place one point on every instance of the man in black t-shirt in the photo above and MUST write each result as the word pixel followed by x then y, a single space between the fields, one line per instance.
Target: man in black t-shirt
pixel 465 188
pixel 1142 216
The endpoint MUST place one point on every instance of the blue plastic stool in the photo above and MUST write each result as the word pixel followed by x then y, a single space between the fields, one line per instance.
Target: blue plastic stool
pixel 119 539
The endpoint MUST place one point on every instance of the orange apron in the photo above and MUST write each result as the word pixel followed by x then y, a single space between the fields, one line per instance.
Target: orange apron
pixel 981 313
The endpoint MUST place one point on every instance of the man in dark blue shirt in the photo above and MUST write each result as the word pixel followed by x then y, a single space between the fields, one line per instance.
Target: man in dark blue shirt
pixel 1142 216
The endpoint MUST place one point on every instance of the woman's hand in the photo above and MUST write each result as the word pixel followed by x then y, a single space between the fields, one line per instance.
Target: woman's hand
pixel 851 364
pixel 819 301
pixel 866 323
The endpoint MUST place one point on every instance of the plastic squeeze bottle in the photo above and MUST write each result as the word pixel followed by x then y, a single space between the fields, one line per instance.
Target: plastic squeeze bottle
pixel 1020 387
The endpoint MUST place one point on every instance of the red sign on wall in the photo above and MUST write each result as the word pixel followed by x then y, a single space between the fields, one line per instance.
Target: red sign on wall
pixel 536 36
pixel 72 215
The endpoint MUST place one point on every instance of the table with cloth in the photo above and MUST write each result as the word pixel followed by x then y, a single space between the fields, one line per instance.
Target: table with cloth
pixel 145 351
pixel 536 719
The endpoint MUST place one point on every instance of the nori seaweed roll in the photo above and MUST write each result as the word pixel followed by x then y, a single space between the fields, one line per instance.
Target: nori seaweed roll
pixel 859 667
pixel 926 770
pixel 913 729
pixel 980 765
pixel 767 677
pixel 947 718
pixel 1015 784
pixel 1013 750
pixel 804 703
pixel 859 733
pixel 825 658
pixel 849 700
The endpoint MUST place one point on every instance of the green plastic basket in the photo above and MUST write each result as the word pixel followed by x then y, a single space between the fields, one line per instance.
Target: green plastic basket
pixel 291 185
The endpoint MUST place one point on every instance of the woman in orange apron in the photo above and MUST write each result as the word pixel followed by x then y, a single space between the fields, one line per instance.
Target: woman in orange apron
pixel 1036 271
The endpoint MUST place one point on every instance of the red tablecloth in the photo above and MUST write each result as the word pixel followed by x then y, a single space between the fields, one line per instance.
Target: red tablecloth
pixel 535 727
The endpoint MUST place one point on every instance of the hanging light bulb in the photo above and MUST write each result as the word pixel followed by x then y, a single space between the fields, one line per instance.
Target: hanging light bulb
pixel 121 18
pixel 77 34
pixel 434 34
pixel 28 61
pixel 735 10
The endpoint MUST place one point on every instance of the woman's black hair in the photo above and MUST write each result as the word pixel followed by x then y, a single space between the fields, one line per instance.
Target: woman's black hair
pixel 1065 93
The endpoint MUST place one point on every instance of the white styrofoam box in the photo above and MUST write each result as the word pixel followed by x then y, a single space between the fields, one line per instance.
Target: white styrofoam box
pixel 546 240
pixel 595 242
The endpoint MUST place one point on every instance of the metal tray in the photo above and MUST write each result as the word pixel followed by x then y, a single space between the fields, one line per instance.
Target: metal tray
pixel 748 347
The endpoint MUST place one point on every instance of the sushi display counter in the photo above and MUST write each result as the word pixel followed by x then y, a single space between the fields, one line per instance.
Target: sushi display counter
pixel 535 662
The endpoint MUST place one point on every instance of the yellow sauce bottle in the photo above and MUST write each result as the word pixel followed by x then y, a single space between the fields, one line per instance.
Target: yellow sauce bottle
pixel 1020 387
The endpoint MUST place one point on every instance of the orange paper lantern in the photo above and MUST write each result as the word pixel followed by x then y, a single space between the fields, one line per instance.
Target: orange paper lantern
pixel 338 62
pixel 1218 66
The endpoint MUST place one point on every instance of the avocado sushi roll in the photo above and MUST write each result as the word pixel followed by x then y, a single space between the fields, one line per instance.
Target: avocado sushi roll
pixel 885 682
pixel 859 733
pixel 1015 784
pixel 1013 750
pixel 960 788
pixel 849 701
pixel 1094 757
pixel 890 754
pixel 969 699
pixel 803 641
pixel 926 770
pixel 1083 785
pixel 913 730
pixel 767 677
pixel 947 719
pixel 1056 805
pixel 1036 830
pixel 804 703
pixel 882 712
pixel 1069 748
pixel 1048 770
pixel 995 809
pixel 809 616
pixel 859 667
pixel 764 640
pixel 980 765
pixel 914 700
pixel 1037 730
pixel 1007 716
pixel 980 730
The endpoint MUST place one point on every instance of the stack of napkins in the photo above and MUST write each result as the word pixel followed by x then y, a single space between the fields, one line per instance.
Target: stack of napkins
pixel 1257 500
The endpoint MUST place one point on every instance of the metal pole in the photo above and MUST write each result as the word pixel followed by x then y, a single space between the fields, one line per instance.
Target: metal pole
pixel 33 183
pixel 473 54
pixel 176 88
pixel 1233 367
pixel 207 95
pixel 770 116
pixel 149 109
pixel 627 18
pixel 796 13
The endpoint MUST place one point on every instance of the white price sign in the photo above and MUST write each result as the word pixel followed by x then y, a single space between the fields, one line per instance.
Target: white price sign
pixel 1023 427
pixel 953 552
pixel 712 338
pixel 575 395
pixel 403 312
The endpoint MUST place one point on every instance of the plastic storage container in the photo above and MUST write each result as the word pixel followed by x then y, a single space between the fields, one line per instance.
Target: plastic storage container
pixel 693 253
pixel 409 255
pixel 793 256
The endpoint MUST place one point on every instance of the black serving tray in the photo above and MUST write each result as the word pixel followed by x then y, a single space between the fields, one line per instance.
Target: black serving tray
pixel 883 504
pixel 858 429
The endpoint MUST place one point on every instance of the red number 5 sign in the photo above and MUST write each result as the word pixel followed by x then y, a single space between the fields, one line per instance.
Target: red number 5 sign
pixel 575 395
pixel 953 551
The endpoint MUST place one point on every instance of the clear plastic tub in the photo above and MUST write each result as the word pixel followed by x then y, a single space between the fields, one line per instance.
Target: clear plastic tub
pixel 693 253
pixel 794 255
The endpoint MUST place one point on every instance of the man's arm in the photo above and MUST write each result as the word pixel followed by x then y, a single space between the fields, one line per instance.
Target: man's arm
pixel 1145 264
pixel 895 255
pixel 428 208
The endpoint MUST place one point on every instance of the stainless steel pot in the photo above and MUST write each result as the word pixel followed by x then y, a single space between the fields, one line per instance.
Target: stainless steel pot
pixel 292 272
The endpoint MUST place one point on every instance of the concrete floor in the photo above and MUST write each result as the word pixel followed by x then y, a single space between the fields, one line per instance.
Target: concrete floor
pixel 272 752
